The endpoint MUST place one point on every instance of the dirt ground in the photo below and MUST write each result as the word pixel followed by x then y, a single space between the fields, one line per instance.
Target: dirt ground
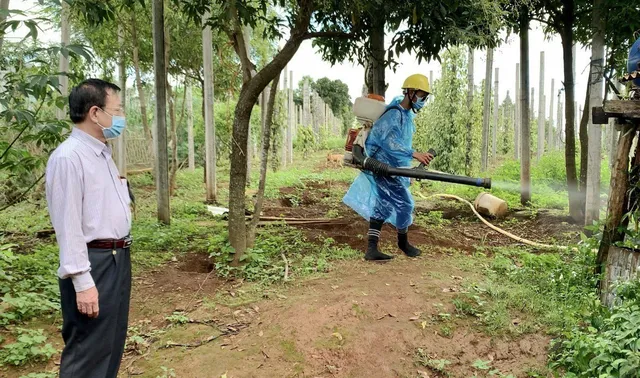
pixel 361 319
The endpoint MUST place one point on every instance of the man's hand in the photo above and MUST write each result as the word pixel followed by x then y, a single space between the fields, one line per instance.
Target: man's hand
pixel 424 158
pixel 88 302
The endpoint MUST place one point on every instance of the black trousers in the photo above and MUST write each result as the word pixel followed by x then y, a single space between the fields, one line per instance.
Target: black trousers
pixel 94 346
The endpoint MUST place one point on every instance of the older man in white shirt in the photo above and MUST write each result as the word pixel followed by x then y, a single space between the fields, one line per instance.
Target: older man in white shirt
pixel 89 208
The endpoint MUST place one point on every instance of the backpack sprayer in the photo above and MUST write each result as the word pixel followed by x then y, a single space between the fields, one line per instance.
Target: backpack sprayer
pixel 368 110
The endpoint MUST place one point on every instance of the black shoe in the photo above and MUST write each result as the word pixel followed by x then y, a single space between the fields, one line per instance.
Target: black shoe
pixel 408 249
pixel 374 255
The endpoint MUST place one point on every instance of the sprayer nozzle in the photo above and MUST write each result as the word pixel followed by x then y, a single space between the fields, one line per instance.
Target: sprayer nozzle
pixel 486 183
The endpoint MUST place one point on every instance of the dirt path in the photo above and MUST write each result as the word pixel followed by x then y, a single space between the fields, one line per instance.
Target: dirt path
pixel 360 320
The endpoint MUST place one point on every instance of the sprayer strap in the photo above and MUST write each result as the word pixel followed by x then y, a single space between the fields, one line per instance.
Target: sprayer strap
pixel 396 107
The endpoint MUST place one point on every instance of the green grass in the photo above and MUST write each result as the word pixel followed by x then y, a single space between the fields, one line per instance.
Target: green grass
pixel 522 292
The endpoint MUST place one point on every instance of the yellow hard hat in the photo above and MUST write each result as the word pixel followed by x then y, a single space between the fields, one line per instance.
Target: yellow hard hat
pixel 417 81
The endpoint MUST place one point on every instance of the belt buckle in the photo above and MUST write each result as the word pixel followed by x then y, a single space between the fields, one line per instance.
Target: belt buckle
pixel 128 240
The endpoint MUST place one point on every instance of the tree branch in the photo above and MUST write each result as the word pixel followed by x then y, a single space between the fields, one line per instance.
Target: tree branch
pixel 21 196
pixel 541 21
pixel 328 34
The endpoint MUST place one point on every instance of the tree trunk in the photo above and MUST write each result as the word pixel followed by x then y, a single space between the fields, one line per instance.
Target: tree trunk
pixel 496 107
pixel 120 143
pixel 541 128
pixel 209 118
pixel 566 35
pixel 191 144
pixel 470 89
pixel 525 164
pixel 266 135
pixel 140 88
pixel 64 60
pixel 251 88
pixel 596 82
pixel 551 133
pixel 162 169
pixel 617 198
pixel 486 110
pixel 4 6
pixel 516 120
pixel 377 56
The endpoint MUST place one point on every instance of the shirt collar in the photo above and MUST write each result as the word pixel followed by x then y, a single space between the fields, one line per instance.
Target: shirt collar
pixel 97 146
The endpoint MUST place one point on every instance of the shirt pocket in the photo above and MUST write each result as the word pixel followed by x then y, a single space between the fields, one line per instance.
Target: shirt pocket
pixel 124 190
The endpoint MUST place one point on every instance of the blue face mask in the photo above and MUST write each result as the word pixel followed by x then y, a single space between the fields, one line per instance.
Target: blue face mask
pixel 118 123
pixel 419 104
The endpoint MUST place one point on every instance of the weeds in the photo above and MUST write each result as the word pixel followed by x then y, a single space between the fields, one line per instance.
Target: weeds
pixel 607 344
pixel 28 284
pixel 30 346
pixel 432 362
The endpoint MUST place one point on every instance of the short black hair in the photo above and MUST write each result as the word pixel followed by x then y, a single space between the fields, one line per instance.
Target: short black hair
pixel 89 93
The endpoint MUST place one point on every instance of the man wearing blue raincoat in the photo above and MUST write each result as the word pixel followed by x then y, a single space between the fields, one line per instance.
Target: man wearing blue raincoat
pixel 387 199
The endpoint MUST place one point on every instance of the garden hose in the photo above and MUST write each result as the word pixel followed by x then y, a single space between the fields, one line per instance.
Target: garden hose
pixel 497 229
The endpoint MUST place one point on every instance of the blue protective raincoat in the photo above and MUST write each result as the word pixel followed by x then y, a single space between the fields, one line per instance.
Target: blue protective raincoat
pixel 386 198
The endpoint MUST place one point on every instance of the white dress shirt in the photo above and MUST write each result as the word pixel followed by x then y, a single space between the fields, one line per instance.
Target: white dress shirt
pixel 87 201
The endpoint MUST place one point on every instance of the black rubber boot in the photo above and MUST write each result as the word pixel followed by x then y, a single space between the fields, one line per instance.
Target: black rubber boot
pixel 373 253
pixel 403 244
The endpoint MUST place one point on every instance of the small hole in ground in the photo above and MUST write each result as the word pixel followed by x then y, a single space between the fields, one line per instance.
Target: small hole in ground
pixel 196 263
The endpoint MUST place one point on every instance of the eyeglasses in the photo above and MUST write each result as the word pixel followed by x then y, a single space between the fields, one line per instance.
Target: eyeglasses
pixel 117 111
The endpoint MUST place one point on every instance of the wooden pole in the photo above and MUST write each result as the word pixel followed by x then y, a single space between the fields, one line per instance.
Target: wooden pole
pixel 209 119
pixel 541 118
pixel 4 6
pixel 431 80
pixel 525 161
pixel 578 112
pixel 532 103
pixel 290 123
pixel 119 144
pixel 560 123
pixel 516 123
pixel 486 110
pixel 550 133
pixel 162 154
pixel 596 82
pixel 284 158
pixel 61 114
pixel 617 197
pixel 306 105
pixel 496 107
pixel 470 90
pixel 192 149
pixel 614 134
